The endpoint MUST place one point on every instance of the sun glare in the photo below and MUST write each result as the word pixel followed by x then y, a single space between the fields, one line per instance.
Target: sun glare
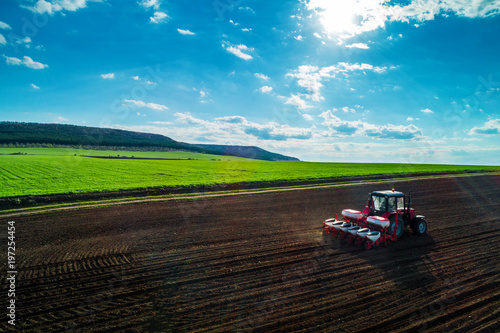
pixel 347 18
pixel 339 16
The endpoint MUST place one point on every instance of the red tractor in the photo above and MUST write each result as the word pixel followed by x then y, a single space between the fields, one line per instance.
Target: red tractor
pixel 383 220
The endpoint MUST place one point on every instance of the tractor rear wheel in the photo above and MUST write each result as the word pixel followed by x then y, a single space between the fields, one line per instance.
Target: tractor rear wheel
pixel 401 226
pixel 420 227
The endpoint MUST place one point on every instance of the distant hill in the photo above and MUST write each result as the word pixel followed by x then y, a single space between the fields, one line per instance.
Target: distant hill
pixel 248 152
pixel 72 135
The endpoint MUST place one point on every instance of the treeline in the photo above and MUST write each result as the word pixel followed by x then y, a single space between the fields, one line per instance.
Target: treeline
pixel 12 132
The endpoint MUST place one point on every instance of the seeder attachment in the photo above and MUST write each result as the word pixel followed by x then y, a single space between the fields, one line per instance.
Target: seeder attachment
pixel 360 229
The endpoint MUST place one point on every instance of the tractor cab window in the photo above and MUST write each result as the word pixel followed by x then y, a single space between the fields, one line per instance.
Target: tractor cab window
pixel 392 204
pixel 401 203
pixel 379 203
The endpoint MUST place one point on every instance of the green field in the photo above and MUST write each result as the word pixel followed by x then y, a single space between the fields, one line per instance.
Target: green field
pixel 118 153
pixel 58 171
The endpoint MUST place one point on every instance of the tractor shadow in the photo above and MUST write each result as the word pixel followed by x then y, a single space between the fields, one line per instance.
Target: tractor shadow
pixel 406 262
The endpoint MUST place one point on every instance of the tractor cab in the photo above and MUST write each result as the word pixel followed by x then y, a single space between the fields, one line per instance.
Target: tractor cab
pixel 388 203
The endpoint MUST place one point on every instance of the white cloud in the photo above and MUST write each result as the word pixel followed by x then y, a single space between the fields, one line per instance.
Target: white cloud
pixel 26 61
pixel 136 78
pixel 298 102
pixel 347 67
pixel 54 6
pixel 345 109
pixel 61 119
pixel 426 111
pixel 187 118
pixel 34 86
pixel 185 32
pixel 342 20
pixel 266 89
pixel 261 76
pixel 390 131
pixel 233 23
pixel 158 17
pixel 205 96
pixel 299 37
pixel 5 26
pixel 26 41
pixel 358 46
pixel 424 11
pixel 270 131
pixel 155 4
pixel 12 60
pixel 108 76
pixel 161 122
pixel 307 117
pixel 142 104
pixel 249 9
pixel 237 50
pixel 232 120
pixel 311 77
pixel 412 119
pixel 317 35
pixel 342 128
pixel 491 127
pixel 246 29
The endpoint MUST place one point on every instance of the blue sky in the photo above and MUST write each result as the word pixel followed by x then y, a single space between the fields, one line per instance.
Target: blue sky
pixel 361 81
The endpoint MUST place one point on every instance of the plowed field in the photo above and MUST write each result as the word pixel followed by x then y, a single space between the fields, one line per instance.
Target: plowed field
pixel 259 263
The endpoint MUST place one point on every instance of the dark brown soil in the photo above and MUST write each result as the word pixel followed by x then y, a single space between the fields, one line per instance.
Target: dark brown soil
pixel 259 263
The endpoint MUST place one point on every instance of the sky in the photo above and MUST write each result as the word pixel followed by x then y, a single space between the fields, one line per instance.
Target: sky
pixel 331 81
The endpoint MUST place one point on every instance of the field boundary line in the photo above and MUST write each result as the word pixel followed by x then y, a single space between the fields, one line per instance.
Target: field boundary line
pixel 217 194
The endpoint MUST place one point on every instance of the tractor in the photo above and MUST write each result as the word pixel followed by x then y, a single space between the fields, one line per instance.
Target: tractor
pixel 384 219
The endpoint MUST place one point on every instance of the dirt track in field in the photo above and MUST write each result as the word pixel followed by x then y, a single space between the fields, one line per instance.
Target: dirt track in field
pixel 259 263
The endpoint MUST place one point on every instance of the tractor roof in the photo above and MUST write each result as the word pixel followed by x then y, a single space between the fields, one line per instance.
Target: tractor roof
pixel 389 193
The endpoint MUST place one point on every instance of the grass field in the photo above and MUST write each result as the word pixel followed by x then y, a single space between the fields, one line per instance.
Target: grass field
pixel 59 171
pixel 118 153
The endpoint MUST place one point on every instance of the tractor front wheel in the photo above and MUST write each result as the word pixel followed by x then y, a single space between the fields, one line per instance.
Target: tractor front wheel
pixel 420 227
pixel 400 227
